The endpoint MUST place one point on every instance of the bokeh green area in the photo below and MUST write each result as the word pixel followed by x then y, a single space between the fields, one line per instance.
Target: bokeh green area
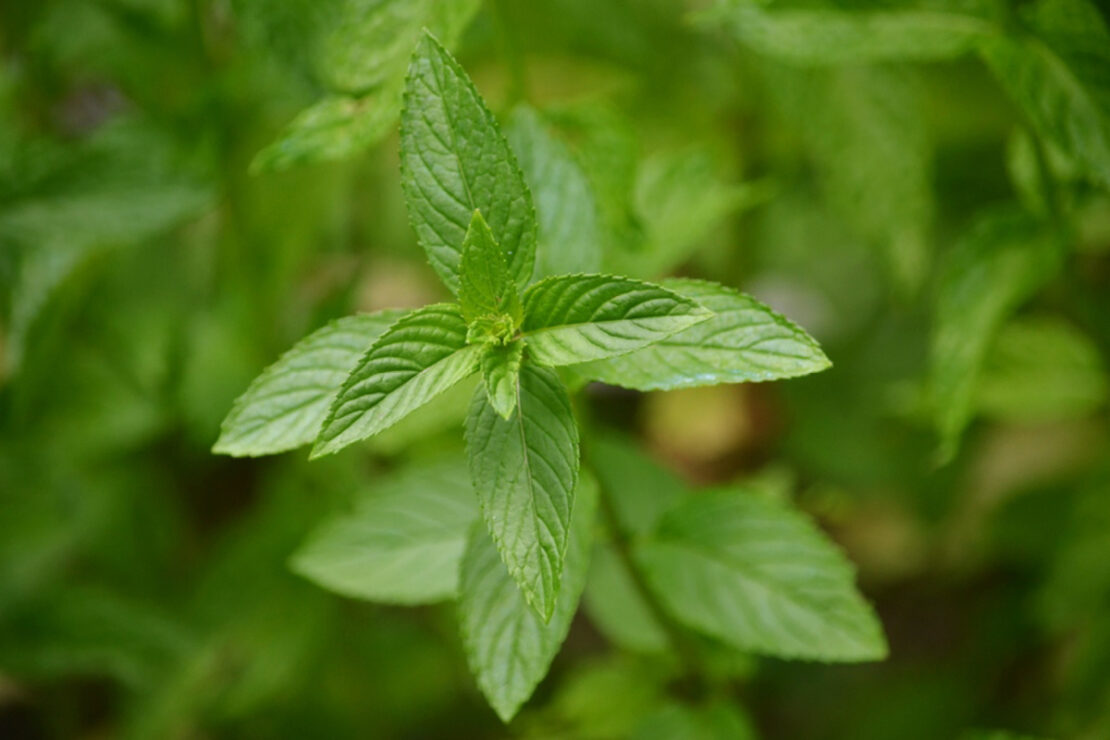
pixel 941 224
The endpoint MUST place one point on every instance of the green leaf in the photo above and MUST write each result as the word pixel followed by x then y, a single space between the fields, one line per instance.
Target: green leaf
pixel 501 373
pixel 569 233
pixel 524 470
pixel 1040 370
pixel 485 287
pixel 744 341
pixel 756 574
pixel 1058 76
pixel 508 646
pixel 285 406
pixel 999 264
pixel 360 51
pixel 616 606
pixel 401 545
pixel 826 36
pixel 873 117
pixel 336 127
pixel 717 721
pixel 419 357
pixel 454 161
pixel 570 319
pixel 639 489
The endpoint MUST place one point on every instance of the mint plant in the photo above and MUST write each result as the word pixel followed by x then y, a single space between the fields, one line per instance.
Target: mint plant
pixel 509 535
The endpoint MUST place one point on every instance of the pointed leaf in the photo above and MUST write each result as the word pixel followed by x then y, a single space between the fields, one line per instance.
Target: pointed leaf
pixel 570 319
pixel 508 646
pixel 826 36
pixel 400 545
pixel 286 405
pixel 524 470
pixel 744 341
pixel 485 287
pixel 422 355
pixel 501 373
pixel 1059 79
pixel 454 161
pixel 998 265
pixel 570 238
pixel 756 574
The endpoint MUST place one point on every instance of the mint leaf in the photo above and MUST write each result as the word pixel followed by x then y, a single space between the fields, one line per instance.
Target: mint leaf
pixel 1041 370
pixel 455 161
pixel 400 545
pixel 569 234
pixel 360 50
pixel 501 373
pixel 820 36
pixel 286 405
pixel 744 341
pixel 485 287
pixel 638 488
pixel 419 357
pixel 761 577
pixel 999 264
pixel 524 470
pixel 508 646
pixel 335 127
pixel 1057 75
pixel 674 721
pixel 570 319
pixel 616 606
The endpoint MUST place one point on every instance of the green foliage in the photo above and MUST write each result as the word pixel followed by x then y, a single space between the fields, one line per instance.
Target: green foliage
pixel 592 247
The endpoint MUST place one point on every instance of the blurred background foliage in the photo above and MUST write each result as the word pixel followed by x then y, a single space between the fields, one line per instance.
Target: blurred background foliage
pixel 187 187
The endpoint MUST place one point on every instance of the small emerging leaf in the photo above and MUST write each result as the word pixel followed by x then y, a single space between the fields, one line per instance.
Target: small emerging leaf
pixel 524 470
pixel 744 341
pixel 758 575
pixel 508 646
pixel 400 545
pixel 420 356
pixel 454 161
pixel 570 319
pixel 485 287
pixel 501 373
pixel 284 407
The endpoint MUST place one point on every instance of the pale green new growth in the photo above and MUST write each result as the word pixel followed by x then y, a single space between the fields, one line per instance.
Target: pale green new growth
pixel 286 405
pixel 501 374
pixel 757 575
pixel 508 646
pixel 524 470
pixel 401 544
pixel 570 319
pixel 420 356
pixel 455 161
pixel 485 287
pixel 744 341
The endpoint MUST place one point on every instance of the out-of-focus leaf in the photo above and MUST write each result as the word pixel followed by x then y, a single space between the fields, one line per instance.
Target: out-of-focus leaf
pixel 997 265
pixel 744 341
pixel 1041 370
pixel 1059 74
pixel 616 606
pixel 402 543
pixel 415 360
pixel 284 407
pixel 827 36
pixel 864 129
pixel 568 231
pixel 675 721
pixel 455 161
pixel 639 489
pixel 761 577
pixel 524 470
pixel 508 646
pixel 569 319
pixel 358 50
